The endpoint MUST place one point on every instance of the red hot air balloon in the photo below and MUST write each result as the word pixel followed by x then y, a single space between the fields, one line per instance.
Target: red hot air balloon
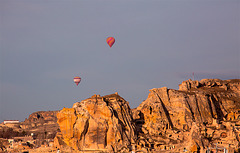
pixel 77 80
pixel 110 41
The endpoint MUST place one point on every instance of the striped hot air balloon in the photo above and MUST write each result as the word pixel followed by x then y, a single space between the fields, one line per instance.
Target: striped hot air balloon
pixel 110 41
pixel 77 80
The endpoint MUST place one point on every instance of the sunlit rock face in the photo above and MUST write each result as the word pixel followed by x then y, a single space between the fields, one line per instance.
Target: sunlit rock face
pixel 193 118
pixel 171 117
pixel 98 123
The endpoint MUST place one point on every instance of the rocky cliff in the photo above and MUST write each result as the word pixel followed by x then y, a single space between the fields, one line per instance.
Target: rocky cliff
pixel 174 119
pixel 42 116
pixel 41 124
pixel 38 129
pixel 98 123
pixel 196 117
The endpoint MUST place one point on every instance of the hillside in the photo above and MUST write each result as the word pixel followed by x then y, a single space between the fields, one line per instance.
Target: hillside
pixel 195 118
pixel 38 129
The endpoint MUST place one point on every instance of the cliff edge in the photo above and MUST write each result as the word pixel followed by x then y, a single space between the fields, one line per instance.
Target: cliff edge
pixel 194 118
pixel 97 123
pixel 191 118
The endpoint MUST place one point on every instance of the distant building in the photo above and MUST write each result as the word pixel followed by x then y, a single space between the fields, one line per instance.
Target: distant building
pixel 10 121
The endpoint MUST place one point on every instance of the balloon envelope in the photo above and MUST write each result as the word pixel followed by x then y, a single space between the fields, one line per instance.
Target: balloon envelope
pixel 110 41
pixel 77 80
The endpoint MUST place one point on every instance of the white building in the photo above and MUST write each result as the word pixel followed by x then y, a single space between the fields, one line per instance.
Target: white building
pixel 10 121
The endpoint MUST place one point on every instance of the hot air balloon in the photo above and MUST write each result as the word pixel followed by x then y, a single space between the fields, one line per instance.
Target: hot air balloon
pixel 110 41
pixel 77 80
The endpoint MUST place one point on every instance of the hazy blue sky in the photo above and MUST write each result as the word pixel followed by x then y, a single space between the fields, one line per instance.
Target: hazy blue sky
pixel 45 43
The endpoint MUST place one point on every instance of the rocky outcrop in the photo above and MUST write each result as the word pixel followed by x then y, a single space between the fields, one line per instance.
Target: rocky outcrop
pixel 38 129
pixel 42 115
pixel 98 123
pixel 42 124
pixel 194 118
pixel 168 118
pixel 232 85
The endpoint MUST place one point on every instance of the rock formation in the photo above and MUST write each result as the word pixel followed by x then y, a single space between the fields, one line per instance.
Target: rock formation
pixel 42 115
pixel 174 119
pixel 98 123
pixel 191 119
pixel 201 116
pixel 43 124
pixel 38 129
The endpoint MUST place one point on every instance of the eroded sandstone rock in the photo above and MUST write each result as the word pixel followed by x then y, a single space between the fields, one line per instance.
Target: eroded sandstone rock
pixel 194 118
pixel 98 123
pixel 170 117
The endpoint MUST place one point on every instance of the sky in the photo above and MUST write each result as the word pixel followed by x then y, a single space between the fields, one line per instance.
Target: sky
pixel 44 44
